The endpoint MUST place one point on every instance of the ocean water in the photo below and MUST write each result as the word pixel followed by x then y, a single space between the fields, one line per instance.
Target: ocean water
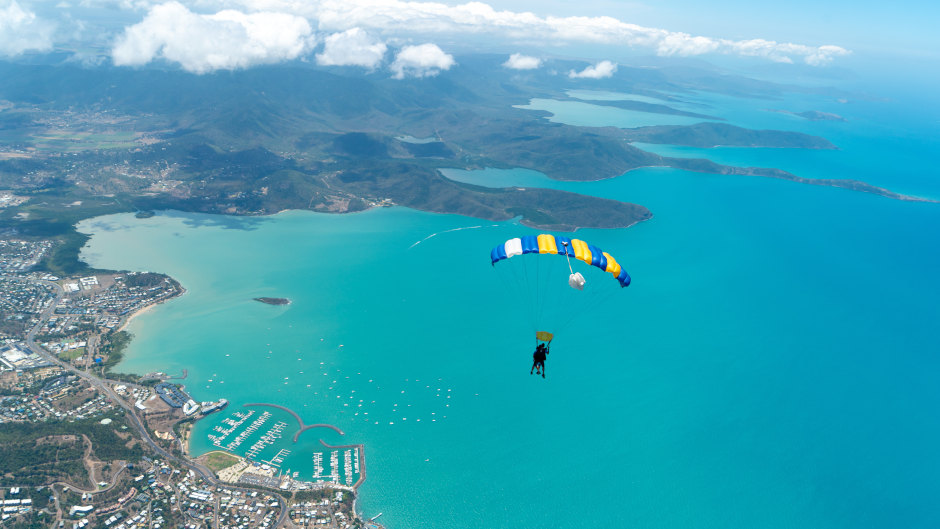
pixel 773 364
pixel 883 141
pixel 584 114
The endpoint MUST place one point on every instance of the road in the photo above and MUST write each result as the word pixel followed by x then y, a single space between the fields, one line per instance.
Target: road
pixel 135 420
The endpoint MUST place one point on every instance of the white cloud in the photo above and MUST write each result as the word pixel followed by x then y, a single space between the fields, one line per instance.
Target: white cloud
pixel 601 70
pixel 225 40
pixel 397 18
pixel 518 61
pixel 21 30
pixel 410 20
pixel 425 60
pixel 824 55
pixel 353 47
pixel 136 5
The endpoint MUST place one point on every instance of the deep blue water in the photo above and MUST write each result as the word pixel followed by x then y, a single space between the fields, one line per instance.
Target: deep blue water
pixel 774 363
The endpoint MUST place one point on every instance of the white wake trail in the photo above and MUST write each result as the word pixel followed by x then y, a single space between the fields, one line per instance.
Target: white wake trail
pixel 454 229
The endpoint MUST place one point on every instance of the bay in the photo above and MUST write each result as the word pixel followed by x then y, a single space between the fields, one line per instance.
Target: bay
pixel 772 364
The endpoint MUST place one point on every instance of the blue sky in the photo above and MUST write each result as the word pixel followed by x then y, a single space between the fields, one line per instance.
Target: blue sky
pixel 905 27
pixel 207 35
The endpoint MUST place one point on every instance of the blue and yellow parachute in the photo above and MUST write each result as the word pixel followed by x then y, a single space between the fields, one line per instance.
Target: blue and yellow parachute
pixel 550 244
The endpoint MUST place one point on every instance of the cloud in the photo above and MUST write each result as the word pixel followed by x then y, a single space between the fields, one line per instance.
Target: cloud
pixel 824 55
pixel 405 21
pixel 425 60
pixel 396 18
pixel 21 30
pixel 353 47
pixel 135 5
pixel 601 70
pixel 226 40
pixel 518 61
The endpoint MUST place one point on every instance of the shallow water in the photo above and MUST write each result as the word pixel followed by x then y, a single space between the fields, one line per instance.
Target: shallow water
pixel 772 365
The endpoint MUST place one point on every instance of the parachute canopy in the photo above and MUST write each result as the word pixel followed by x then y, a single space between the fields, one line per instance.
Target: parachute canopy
pixel 544 336
pixel 550 244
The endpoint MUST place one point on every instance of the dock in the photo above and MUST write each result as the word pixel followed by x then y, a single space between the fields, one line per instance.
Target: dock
pixel 360 459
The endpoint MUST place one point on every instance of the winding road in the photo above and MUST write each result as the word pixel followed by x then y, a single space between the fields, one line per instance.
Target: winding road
pixel 134 419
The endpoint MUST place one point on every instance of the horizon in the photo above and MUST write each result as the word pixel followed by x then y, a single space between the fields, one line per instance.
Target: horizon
pixel 419 39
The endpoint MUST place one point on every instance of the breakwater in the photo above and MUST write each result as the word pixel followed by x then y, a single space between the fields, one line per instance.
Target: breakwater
pixel 303 427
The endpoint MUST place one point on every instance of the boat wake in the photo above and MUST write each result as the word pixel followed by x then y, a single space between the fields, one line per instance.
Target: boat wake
pixel 454 229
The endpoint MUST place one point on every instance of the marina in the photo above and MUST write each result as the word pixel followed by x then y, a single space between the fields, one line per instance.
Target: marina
pixel 317 466
pixel 233 424
pixel 347 467
pixel 257 423
pixel 262 433
pixel 279 458
pixel 347 474
pixel 267 439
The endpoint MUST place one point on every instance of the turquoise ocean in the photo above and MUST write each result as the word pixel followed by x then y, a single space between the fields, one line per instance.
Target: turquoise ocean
pixel 774 363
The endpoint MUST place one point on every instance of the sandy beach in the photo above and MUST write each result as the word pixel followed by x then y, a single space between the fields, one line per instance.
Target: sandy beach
pixel 146 309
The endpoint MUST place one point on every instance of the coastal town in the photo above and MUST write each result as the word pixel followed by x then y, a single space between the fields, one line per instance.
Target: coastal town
pixel 84 447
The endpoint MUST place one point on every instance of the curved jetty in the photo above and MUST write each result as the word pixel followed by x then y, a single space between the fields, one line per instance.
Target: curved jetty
pixel 303 427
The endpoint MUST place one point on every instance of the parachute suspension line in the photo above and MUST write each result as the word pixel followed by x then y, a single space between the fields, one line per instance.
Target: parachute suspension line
pixel 533 308
pixel 595 302
pixel 539 307
pixel 552 303
pixel 539 293
pixel 520 293
pixel 568 257
pixel 513 292
pixel 553 306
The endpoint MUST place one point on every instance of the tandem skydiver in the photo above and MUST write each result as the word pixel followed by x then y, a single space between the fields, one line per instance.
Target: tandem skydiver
pixel 538 359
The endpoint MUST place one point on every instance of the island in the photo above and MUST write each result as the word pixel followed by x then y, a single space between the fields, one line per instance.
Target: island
pixel 273 301
pixel 264 146
pixel 722 134
pixel 83 140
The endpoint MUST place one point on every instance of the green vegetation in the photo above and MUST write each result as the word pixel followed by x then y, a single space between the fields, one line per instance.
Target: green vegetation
pixel 12 327
pixel 51 214
pixel 144 279
pixel 34 520
pixel 217 461
pixel 33 454
pixel 59 141
pixel 312 495
pixel 113 345
pixel 273 301
pixel 264 146
pixel 714 134
pixel 72 354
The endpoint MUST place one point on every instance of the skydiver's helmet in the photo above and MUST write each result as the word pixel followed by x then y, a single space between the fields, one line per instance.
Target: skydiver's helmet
pixel 576 281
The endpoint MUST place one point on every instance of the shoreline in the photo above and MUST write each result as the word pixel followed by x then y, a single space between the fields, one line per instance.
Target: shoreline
pixel 186 441
pixel 146 309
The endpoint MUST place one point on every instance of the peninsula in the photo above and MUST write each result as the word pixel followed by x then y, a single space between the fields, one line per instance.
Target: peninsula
pixel 143 140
